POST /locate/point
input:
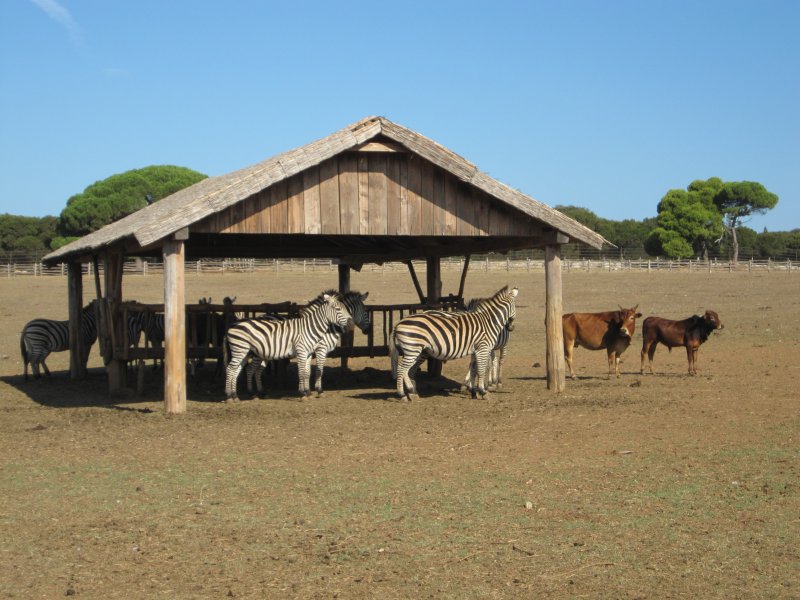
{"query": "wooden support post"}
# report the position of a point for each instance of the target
(556, 373)
(344, 287)
(434, 281)
(174, 328)
(464, 276)
(415, 280)
(115, 367)
(77, 364)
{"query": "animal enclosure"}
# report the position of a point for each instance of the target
(642, 486)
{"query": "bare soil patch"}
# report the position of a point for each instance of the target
(660, 486)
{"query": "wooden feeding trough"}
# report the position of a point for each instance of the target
(372, 192)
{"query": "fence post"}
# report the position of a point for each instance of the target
(769, 265)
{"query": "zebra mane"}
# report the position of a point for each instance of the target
(477, 302)
(315, 302)
(352, 294)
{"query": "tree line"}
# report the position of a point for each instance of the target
(706, 219)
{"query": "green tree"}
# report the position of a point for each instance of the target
(690, 215)
(31, 235)
(628, 234)
(108, 200)
(738, 200)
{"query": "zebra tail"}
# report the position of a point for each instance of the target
(226, 353)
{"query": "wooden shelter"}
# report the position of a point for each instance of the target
(372, 192)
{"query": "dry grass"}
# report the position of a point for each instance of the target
(640, 487)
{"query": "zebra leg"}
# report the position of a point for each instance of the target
(407, 366)
(497, 367)
(468, 385)
(44, 366)
(254, 373)
(231, 375)
(304, 373)
(321, 356)
(249, 371)
(35, 360)
(481, 357)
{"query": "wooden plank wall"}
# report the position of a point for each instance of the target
(372, 193)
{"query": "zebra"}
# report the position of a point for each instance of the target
(151, 325)
(40, 337)
(270, 340)
(354, 301)
(494, 377)
(446, 336)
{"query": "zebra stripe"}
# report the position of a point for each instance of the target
(271, 339)
(354, 302)
(446, 336)
(40, 337)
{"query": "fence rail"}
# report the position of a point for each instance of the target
(218, 266)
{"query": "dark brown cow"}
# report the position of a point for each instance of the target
(611, 330)
(689, 333)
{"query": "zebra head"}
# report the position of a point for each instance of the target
(336, 312)
(511, 296)
(503, 304)
(354, 301)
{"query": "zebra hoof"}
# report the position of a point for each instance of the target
(413, 398)
(464, 389)
(231, 400)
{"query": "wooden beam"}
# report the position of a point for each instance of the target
(380, 147)
(77, 364)
(415, 280)
(463, 276)
(552, 238)
(174, 328)
(554, 334)
(344, 287)
(115, 367)
(434, 280)
(434, 285)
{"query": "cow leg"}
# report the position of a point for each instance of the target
(645, 348)
(695, 352)
(568, 349)
(650, 350)
(690, 359)
(611, 362)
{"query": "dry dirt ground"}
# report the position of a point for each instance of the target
(664, 486)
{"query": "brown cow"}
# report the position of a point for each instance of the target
(689, 333)
(611, 330)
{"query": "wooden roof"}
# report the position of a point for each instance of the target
(196, 209)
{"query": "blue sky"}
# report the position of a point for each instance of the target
(605, 105)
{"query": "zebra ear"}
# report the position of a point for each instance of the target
(364, 295)
(328, 298)
(514, 292)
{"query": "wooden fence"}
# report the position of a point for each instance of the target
(220, 267)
